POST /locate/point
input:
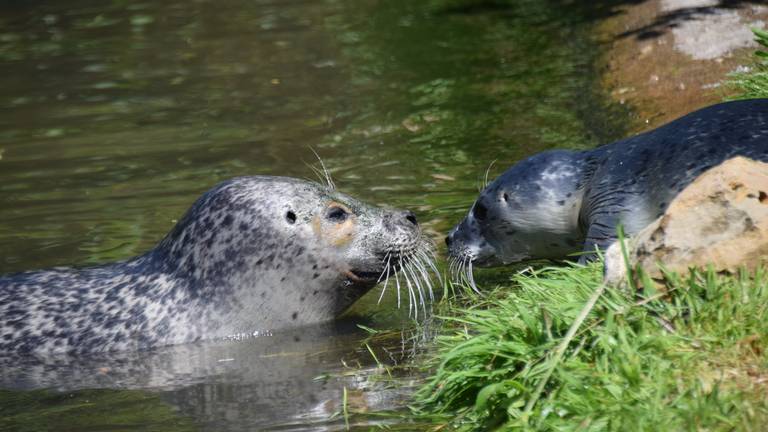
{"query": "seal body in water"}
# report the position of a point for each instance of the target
(559, 202)
(252, 254)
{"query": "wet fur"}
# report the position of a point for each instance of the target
(233, 265)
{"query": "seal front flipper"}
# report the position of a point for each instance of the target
(599, 236)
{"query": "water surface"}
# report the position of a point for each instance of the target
(117, 115)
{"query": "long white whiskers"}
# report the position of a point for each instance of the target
(326, 173)
(386, 281)
(471, 278)
(419, 289)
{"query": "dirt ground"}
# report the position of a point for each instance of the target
(666, 58)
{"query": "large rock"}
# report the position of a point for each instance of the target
(720, 219)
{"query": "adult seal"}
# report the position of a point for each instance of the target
(252, 254)
(558, 202)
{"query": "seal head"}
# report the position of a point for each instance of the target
(530, 211)
(252, 254)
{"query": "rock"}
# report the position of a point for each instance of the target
(719, 220)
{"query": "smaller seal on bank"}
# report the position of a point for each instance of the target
(252, 254)
(559, 202)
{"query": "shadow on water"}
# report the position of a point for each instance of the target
(674, 18)
(665, 21)
(117, 115)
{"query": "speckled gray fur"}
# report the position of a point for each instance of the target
(559, 202)
(252, 254)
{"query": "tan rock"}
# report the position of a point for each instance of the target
(720, 219)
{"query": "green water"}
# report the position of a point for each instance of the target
(117, 115)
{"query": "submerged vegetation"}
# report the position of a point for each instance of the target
(89, 410)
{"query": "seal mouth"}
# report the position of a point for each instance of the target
(408, 267)
(372, 276)
(362, 276)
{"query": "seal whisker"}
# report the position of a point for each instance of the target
(397, 283)
(453, 269)
(325, 172)
(411, 296)
(417, 283)
(471, 277)
(386, 266)
(427, 254)
(429, 259)
(461, 268)
(487, 171)
(422, 268)
(415, 288)
(416, 280)
(386, 280)
(422, 272)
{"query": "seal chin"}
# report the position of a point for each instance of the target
(488, 261)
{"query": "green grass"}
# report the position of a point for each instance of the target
(692, 360)
(754, 82)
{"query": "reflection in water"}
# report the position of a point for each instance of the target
(117, 115)
(272, 380)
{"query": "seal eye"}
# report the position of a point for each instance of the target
(336, 214)
(480, 212)
(290, 216)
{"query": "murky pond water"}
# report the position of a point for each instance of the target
(117, 115)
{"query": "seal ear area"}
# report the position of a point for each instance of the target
(336, 224)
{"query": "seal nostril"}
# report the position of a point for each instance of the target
(448, 241)
(290, 216)
(411, 218)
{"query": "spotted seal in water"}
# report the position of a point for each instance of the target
(559, 202)
(251, 254)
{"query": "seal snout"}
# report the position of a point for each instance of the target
(401, 220)
(404, 232)
(458, 240)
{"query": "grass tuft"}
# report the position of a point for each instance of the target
(753, 82)
(692, 360)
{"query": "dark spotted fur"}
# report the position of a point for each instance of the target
(247, 256)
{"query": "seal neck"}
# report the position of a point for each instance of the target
(562, 204)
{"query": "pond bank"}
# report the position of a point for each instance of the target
(690, 358)
(666, 58)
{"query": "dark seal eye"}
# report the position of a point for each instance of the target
(336, 214)
(290, 217)
(480, 212)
